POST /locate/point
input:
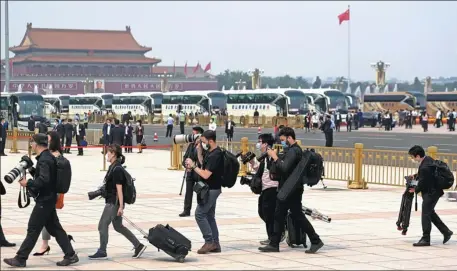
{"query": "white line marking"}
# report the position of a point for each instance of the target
(402, 148)
(390, 138)
(321, 139)
(454, 145)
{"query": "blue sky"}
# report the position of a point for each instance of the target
(295, 38)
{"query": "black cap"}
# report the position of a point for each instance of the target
(40, 139)
(198, 129)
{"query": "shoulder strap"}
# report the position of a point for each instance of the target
(23, 196)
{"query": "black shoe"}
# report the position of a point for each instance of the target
(269, 248)
(67, 261)
(70, 238)
(5, 243)
(99, 256)
(422, 243)
(447, 236)
(46, 251)
(14, 262)
(3, 154)
(139, 251)
(314, 248)
(265, 242)
(184, 214)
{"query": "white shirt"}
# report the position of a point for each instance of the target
(170, 121)
(438, 114)
(229, 125)
(212, 126)
(77, 129)
(108, 130)
(315, 119)
(126, 130)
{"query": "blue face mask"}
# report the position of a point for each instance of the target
(284, 144)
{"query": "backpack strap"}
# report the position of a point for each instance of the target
(23, 196)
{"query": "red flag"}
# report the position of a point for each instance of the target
(345, 16)
(208, 67)
(185, 69)
(196, 67)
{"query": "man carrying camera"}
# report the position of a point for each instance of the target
(285, 166)
(209, 188)
(191, 176)
(112, 191)
(43, 187)
(267, 199)
(431, 193)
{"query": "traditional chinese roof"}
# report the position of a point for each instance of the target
(79, 39)
(85, 59)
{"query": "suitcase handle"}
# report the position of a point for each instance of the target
(136, 227)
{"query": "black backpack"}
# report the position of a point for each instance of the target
(63, 174)
(443, 175)
(231, 169)
(128, 189)
(315, 170)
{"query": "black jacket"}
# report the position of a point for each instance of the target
(129, 132)
(3, 132)
(44, 179)
(60, 129)
(82, 130)
(42, 128)
(68, 128)
(31, 125)
(232, 125)
(117, 135)
(425, 176)
(327, 126)
(191, 153)
(285, 166)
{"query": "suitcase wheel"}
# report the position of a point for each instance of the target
(305, 246)
(180, 259)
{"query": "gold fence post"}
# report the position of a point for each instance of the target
(14, 145)
(246, 121)
(29, 150)
(104, 158)
(264, 121)
(299, 143)
(432, 152)
(174, 157)
(358, 182)
(244, 150)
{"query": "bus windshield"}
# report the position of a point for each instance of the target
(181, 99)
(83, 100)
(411, 101)
(65, 103)
(298, 102)
(130, 99)
(337, 101)
(4, 103)
(31, 106)
(251, 98)
(218, 100)
(108, 101)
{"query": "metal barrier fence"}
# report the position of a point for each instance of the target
(357, 166)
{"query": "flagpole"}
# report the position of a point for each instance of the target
(349, 48)
(7, 57)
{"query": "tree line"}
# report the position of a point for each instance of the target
(235, 79)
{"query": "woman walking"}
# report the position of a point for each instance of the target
(139, 131)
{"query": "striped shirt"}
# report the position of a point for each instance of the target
(266, 181)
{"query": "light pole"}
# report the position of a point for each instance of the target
(164, 86)
(380, 68)
(240, 84)
(255, 75)
(7, 50)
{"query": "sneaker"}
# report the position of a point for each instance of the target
(99, 256)
(67, 261)
(139, 251)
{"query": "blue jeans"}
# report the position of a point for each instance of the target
(205, 217)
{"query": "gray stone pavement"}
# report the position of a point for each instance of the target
(362, 234)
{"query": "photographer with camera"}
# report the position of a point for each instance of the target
(112, 191)
(209, 188)
(44, 214)
(285, 166)
(191, 176)
(431, 193)
(267, 199)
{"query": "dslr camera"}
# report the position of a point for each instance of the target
(411, 182)
(100, 192)
(184, 139)
(249, 156)
(25, 164)
(253, 182)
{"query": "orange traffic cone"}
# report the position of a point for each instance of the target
(156, 137)
(259, 130)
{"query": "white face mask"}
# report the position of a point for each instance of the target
(205, 146)
(414, 161)
(137, 123)
(258, 145)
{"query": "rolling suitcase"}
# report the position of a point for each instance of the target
(295, 235)
(404, 215)
(167, 239)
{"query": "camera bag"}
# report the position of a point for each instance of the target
(443, 175)
(295, 234)
(231, 169)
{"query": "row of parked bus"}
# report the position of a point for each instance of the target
(268, 102)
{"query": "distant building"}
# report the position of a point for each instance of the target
(74, 61)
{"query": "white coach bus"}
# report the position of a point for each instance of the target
(187, 101)
(268, 102)
(57, 103)
(83, 103)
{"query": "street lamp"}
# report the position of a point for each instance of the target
(88, 85)
(164, 86)
(240, 84)
(255, 75)
(380, 67)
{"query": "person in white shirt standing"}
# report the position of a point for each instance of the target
(170, 121)
(212, 125)
(315, 121)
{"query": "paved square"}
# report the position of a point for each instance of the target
(362, 234)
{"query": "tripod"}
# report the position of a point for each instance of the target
(183, 181)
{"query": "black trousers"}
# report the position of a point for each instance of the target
(349, 126)
(68, 144)
(230, 136)
(266, 209)
(188, 197)
(293, 203)
(337, 125)
(2, 146)
(2, 235)
(44, 215)
(169, 130)
(429, 215)
(328, 139)
(62, 141)
(128, 141)
(356, 125)
(181, 127)
(78, 142)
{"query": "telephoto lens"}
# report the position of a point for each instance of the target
(23, 165)
(184, 139)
